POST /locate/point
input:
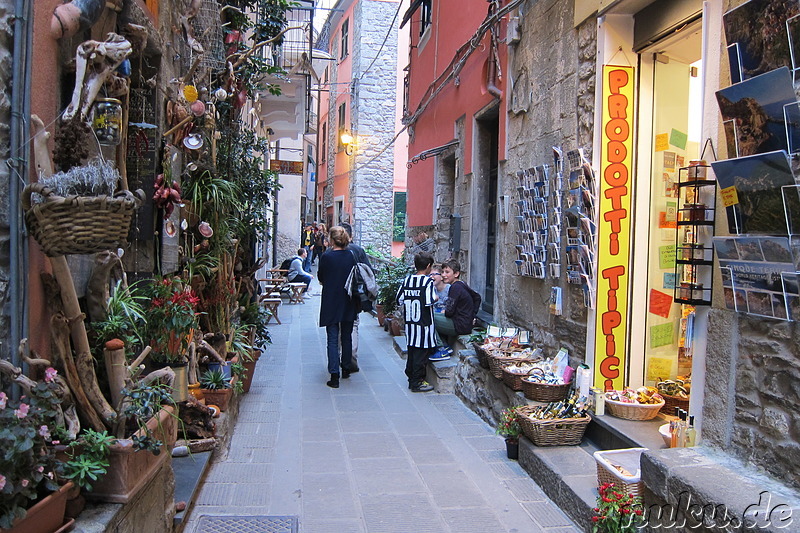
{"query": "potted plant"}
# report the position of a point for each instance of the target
(390, 277)
(172, 318)
(28, 469)
(616, 512)
(216, 388)
(509, 428)
(87, 458)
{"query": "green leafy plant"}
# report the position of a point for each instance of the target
(140, 404)
(240, 344)
(88, 458)
(214, 380)
(256, 316)
(616, 512)
(390, 277)
(238, 370)
(172, 318)
(478, 336)
(125, 319)
(26, 465)
(508, 426)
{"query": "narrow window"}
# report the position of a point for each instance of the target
(345, 36)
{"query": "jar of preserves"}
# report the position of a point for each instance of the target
(107, 121)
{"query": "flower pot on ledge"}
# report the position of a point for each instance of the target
(512, 448)
(46, 516)
(130, 470)
(219, 397)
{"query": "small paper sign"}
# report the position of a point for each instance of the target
(661, 335)
(678, 139)
(660, 303)
(662, 142)
(659, 368)
(666, 256)
(729, 196)
(669, 161)
(669, 280)
(664, 221)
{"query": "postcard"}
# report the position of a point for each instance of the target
(759, 28)
(759, 202)
(756, 107)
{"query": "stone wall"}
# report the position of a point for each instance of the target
(552, 71)
(373, 116)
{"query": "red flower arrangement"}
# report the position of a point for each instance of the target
(617, 512)
(171, 319)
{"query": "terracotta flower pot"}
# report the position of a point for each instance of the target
(250, 366)
(46, 516)
(381, 315)
(395, 328)
(218, 397)
(130, 470)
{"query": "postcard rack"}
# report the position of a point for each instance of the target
(695, 258)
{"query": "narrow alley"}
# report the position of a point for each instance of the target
(370, 456)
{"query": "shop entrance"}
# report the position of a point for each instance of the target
(669, 138)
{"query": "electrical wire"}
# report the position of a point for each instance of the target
(389, 32)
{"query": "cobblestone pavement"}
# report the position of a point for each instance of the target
(370, 456)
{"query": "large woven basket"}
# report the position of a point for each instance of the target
(480, 353)
(544, 392)
(671, 402)
(78, 224)
(512, 379)
(633, 411)
(496, 363)
(555, 432)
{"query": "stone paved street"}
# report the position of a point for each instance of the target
(370, 456)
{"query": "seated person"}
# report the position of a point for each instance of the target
(296, 273)
(442, 289)
(461, 306)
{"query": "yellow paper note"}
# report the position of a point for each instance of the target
(729, 196)
(659, 368)
(662, 142)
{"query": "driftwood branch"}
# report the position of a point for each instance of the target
(209, 350)
(242, 57)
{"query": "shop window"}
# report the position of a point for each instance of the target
(343, 49)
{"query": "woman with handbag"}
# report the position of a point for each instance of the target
(337, 310)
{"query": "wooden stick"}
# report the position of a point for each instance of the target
(83, 353)
(139, 360)
(177, 126)
(208, 349)
(117, 370)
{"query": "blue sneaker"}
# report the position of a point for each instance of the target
(440, 355)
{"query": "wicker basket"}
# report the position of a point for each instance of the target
(633, 411)
(512, 379)
(556, 432)
(671, 402)
(480, 353)
(496, 363)
(628, 459)
(78, 224)
(544, 392)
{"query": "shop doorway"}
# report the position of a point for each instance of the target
(670, 95)
(483, 255)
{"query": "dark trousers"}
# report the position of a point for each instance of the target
(415, 365)
(302, 278)
(307, 261)
(333, 331)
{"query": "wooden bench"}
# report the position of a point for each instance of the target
(296, 296)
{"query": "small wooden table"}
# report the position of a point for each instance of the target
(296, 296)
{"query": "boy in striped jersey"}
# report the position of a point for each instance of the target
(416, 296)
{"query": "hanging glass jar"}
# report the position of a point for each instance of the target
(107, 121)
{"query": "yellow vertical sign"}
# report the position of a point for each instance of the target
(614, 227)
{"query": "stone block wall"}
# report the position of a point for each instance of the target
(752, 392)
(552, 71)
(373, 116)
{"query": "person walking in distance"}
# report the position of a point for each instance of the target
(361, 257)
(337, 311)
(307, 242)
(416, 297)
(320, 242)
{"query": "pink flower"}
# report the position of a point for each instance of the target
(40, 469)
(24, 482)
(3, 400)
(44, 432)
(50, 374)
(22, 412)
(2, 481)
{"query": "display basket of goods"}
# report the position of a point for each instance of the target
(555, 424)
(514, 373)
(675, 393)
(643, 403)
(620, 467)
(480, 353)
(543, 386)
(498, 358)
(78, 224)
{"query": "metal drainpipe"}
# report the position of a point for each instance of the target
(19, 162)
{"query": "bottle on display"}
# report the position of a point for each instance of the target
(691, 433)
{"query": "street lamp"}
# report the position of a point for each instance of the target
(347, 142)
